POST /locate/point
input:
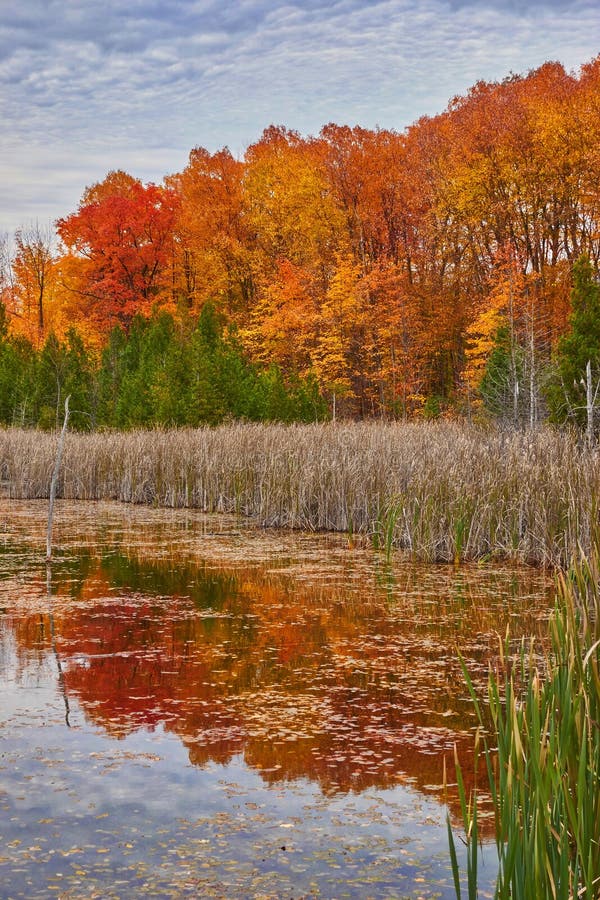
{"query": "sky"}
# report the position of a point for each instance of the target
(87, 86)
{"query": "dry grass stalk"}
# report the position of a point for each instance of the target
(443, 491)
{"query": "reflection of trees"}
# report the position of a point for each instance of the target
(351, 689)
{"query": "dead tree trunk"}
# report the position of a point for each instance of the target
(54, 480)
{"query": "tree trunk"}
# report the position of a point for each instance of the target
(54, 480)
(589, 402)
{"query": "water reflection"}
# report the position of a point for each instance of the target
(59, 669)
(310, 662)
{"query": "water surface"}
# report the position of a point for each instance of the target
(194, 707)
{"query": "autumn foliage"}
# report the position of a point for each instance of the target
(384, 264)
(122, 238)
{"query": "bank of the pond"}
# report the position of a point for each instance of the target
(443, 491)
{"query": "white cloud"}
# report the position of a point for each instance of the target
(90, 86)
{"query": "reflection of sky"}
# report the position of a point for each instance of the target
(68, 795)
(26, 687)
(85, 87)
(139, 637)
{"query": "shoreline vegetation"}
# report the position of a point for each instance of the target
(539, 733)
(442, 491)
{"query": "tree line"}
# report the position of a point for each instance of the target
(433, 271)
(162, 372)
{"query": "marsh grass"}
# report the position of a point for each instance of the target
(442, 491)
(543, 757)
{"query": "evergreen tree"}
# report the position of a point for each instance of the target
(80, 383)
(581, 344)
(161, 372)
(133, 407)
(503, 379)
(110, 376)
(17, 370)
(50, 376)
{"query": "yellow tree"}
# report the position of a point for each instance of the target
(212, 242)
(34, 310)
(289, 207)
(506, 323)
(281, 328)
(337, 354)
(586, 127)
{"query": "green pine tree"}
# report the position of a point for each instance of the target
(501, 385)
(80, 383)
(580, 345)
(17, 377)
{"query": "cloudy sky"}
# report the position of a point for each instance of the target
(92, 85)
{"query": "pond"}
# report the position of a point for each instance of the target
(191, 706)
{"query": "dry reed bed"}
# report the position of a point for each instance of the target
(443, 491)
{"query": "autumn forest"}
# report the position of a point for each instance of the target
(450, 269)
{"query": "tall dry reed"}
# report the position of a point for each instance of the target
(442, 491)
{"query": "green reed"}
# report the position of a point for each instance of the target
(543, 755)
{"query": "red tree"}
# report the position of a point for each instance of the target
(122, 245)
